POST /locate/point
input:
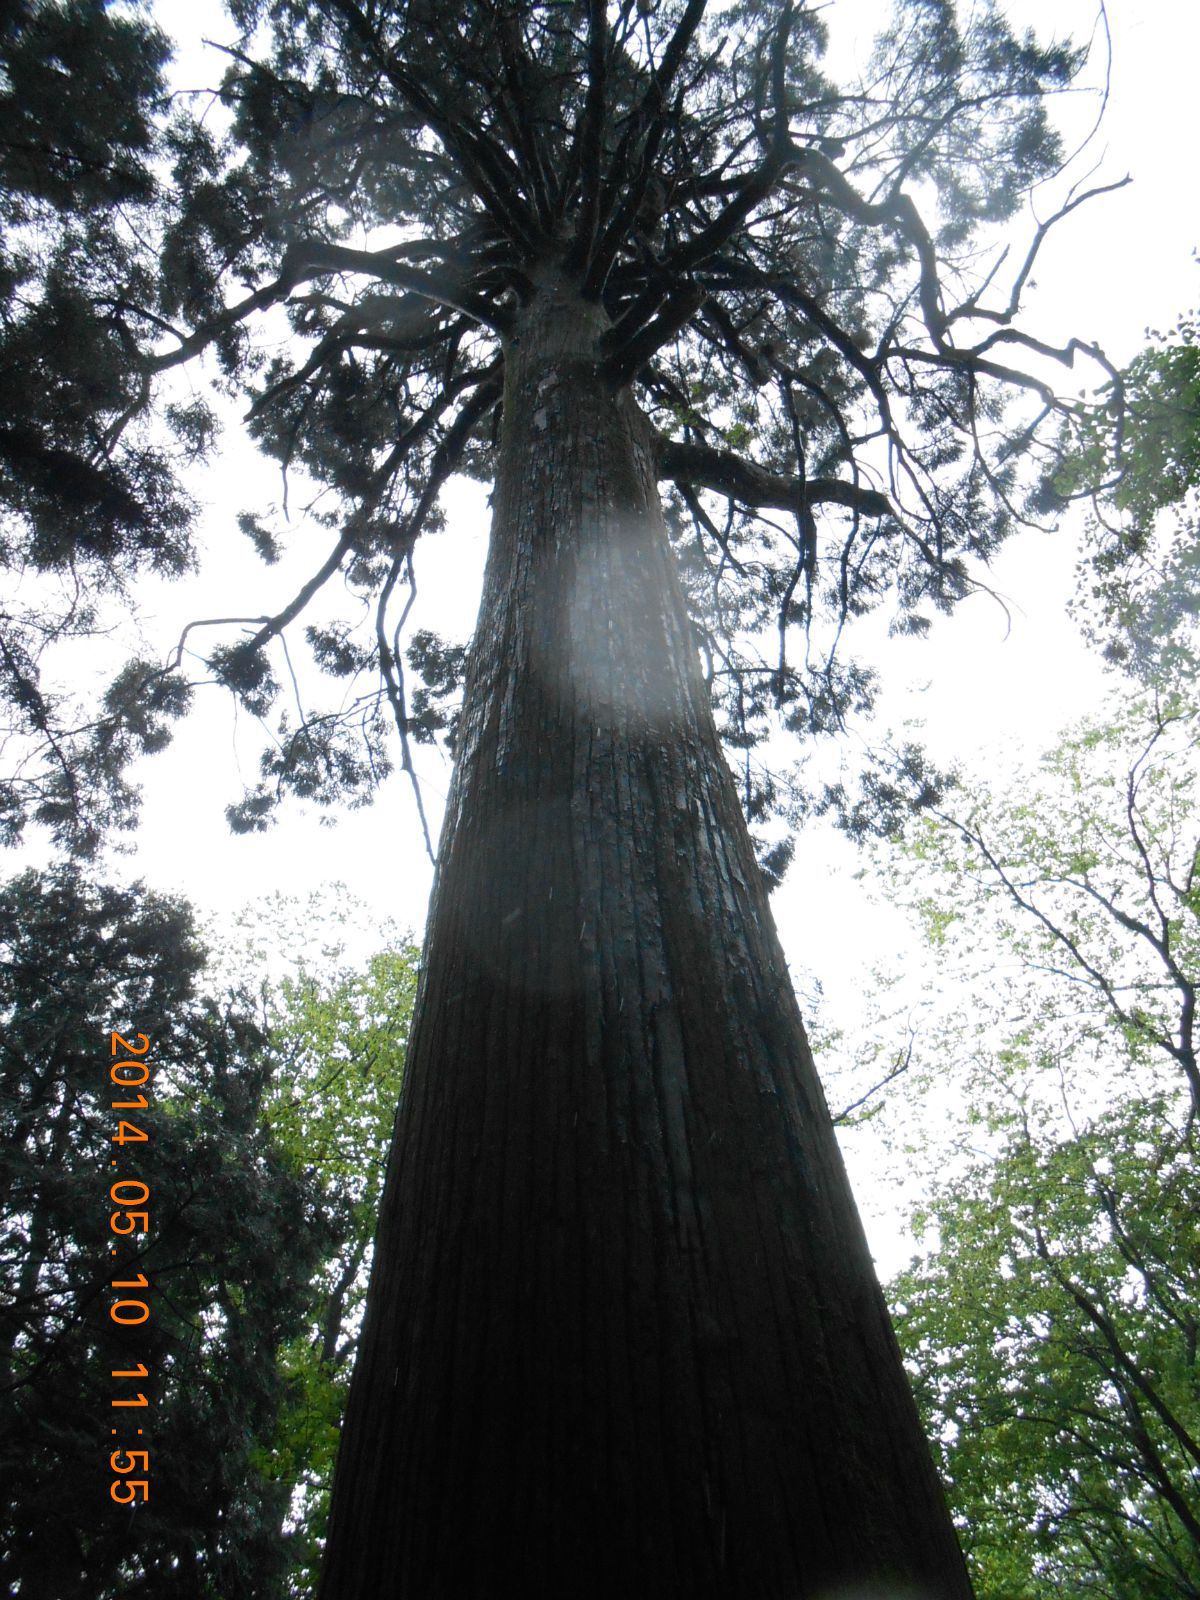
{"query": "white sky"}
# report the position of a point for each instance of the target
(1115, 268)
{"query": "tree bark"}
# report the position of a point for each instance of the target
(623, 1339)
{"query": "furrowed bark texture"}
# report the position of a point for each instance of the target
(624, 1340)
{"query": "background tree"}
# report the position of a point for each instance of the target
(338, 1036)
(88, 485)
(623, 1334)
(1051, 1319)
(233, 1237)
(1052, 1327)
(1138, 597)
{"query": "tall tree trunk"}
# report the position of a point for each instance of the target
(623, 1339)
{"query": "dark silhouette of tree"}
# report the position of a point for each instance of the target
(623, 1334)
(89, 491)
(232, 1237)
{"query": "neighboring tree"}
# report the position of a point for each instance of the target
(1052, 1327)
(1052, 1321)
(232, 1238)
(623, 1335)
(1140, 570)
(339, 1040)
(90, 487)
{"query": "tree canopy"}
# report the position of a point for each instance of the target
(787, 269)
(264, 1149)
(232, 1236)
(1050, 1317)
(338, 1035)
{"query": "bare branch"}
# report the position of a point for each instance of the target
(900, 1066)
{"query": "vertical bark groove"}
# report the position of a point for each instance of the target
(623, 1338)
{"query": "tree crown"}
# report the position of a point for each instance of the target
(785, 270)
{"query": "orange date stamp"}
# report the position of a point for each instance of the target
(129, 1221)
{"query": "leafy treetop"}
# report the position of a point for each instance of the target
(1139, 577)
(1049, 1319)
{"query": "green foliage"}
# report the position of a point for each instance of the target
(902, 783)
(1164, 450)
(1157, 454)
(338, 1030)
(1050, 1323)
(81, 99)
(340, 1040)
(1140, 575)
(79, 80)
(88, 482)
(235, 1231)
(264, 1162)
(1052, 1331)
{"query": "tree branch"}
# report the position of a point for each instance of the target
(732, 475)
(587, 151)
(488, 171)
(312, 259)
(631, 354)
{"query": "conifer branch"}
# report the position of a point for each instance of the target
(705, 467)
